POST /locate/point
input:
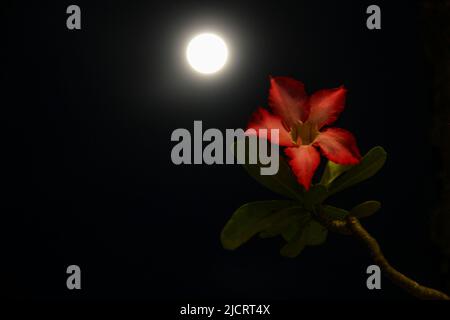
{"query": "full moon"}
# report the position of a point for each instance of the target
(207, 53)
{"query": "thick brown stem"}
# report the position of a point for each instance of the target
(353, 227)
(396, 277)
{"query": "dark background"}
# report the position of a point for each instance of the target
(88, 177)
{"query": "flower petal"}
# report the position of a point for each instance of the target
(326, 105)
(304, 161)
(339, 146)
(288, 99)
(262, 119)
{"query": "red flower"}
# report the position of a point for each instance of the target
(300, 120)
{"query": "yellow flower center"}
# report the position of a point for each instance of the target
(307, 132)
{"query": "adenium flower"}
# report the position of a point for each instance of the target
(301, 121)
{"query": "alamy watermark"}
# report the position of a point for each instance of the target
(74, 279)
(230, 149)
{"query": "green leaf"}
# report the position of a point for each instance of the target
(366, 209)
(285, 218)
(283, 182)
(332, 171)
(316, 195)
(308, 232)
(289, 232)
(296, 225)
(316, 233)
(335, 213)
(294, 247)
(250, 219)
(370, 164)
(266, 234)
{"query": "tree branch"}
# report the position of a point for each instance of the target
(352, 226)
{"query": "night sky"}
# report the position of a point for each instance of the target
(87, 118)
